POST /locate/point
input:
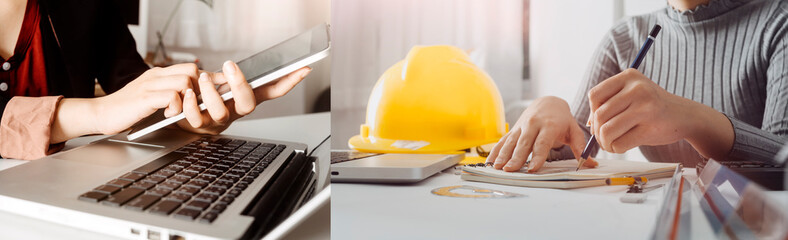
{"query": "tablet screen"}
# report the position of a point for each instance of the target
(268, 65)
(274, 58)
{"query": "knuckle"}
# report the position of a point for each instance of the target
(605, 129)
(542, 142)
(510, 140)
(191, 66)
(593, 93)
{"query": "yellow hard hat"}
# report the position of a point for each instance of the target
(436, 100)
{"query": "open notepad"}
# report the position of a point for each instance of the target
(562, 174)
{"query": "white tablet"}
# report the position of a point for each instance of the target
(270, 64)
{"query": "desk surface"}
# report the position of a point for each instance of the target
(374, 211)
(310, 129)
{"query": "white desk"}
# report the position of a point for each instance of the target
(310, 129)
(375, 211)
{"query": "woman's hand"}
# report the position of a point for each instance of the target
(154, 89)
(547, 123)
(629, 110)
(220, 114)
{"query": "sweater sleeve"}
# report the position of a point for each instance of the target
(603, 65)
(750, 142)
(25, 128)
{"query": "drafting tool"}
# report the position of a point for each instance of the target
(475, 192)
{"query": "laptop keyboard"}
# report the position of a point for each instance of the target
(198, 180)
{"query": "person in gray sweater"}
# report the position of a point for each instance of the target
(714, 85)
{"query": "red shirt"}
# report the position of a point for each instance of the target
(24, 73)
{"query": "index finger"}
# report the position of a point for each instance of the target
(603, 91)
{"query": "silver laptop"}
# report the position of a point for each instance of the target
(349, 166)
(168, 185)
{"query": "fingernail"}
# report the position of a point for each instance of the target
(204, 77)
(498, 162)
(229, 67)
(303, 75)
(189, 92)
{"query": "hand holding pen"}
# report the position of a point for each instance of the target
(630, 110)
(592, 143)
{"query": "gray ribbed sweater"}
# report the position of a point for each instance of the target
(729, 54)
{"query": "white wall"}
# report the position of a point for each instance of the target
(564, 35)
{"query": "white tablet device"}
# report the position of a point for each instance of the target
(270, 64)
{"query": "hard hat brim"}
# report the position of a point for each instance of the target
(390, 146)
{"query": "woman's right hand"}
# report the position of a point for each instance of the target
(156, 88)
(547, 123)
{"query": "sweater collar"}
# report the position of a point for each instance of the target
(704, 12)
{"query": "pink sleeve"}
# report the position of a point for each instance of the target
(25, 127)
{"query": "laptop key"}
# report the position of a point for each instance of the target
(188, 174)
(172, 185)
(93, 196)
(234, 192)
(165, 207)
(199, 205)
(154, 179)
(219, 207)
(181, 179)
(197, 183)
(120, 183)
(209, 217)
(187, 214)
(191, 190)
(226, 200)
(108, 189)
(205, 178)
(132, 176)
(159, 191)
(223, 184)
(142, 202)
(179, 197)
(206, 197)
(213, 173)
(165, 173)
(143, 185)
(122, 197)
(215, 190)
(159, 162)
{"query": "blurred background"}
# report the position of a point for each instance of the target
(210, 32)
(531, 48)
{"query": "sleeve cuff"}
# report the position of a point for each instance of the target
(25, 127)
(754, 144)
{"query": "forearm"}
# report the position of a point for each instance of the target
(711, 132)
(74, 117)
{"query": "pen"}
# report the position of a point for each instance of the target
(635, 64)
(625, 180)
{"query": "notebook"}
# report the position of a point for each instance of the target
(562, 174)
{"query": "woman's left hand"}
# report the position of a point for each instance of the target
(629, 110)
(220, 114)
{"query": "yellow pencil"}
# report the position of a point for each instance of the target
(624, 180)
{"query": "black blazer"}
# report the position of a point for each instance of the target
(85, 40)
